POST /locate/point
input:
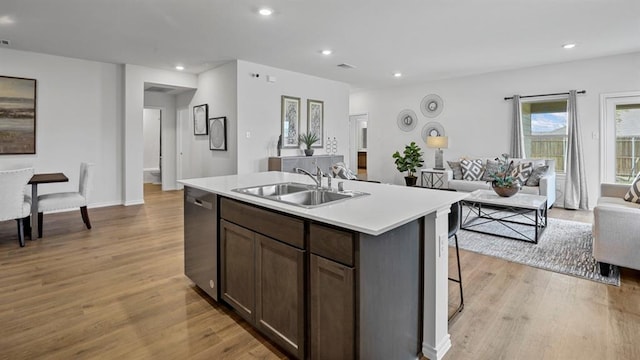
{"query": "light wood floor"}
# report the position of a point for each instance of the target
(118, 292)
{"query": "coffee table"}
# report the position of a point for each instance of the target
(520, 217)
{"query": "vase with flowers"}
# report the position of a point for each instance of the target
(503, 182)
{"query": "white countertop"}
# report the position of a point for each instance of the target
(388, 206)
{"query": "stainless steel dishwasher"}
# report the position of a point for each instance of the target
(201, 239)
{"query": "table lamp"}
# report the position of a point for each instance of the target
(439, 143)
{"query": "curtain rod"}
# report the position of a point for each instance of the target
(564, 93)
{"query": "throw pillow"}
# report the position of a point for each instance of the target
(490, 168)
(471, 169)
(633, 195)
(457, 170)
(522, 172)
(538, 173)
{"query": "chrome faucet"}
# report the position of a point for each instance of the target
(317, 179)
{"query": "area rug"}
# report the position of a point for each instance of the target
(564, 247)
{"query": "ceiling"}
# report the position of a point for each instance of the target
(423, 39)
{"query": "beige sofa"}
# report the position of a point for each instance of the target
(616, 229)
(547, 185)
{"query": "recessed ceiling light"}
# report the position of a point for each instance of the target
(265, 12)
(326, 52)
(6, 20)
(397, 74)
(179, 67)
(569, 46)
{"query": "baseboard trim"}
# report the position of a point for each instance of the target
(438, 352)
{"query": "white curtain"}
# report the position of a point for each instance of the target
(575, 186)
(517, 135)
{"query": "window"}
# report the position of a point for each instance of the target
(544, 126)
(627, 142)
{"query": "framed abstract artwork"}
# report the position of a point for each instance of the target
(200, 116)
(17, 115)
(290, 121)
(218, 133)
(315, 120)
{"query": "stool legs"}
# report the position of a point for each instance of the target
(458, 280)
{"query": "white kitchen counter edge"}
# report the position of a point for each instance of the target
(388, 206)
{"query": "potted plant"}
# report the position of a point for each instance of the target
(308, 139)
(503, 183)
(409, 162)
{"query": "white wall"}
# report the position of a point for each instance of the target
(151, 135)
(218, 89)
(477, 119)
(259, 111)
(79, 118)
(134, 80)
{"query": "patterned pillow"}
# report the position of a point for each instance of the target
(633, 195)
(471, 169)
(490, 168)
(457, 170)
(538, 173)
(522, 172)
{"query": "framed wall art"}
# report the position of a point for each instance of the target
(315, 120)
(290, 122)
(200, 116)
(218, 133)
(17, 115)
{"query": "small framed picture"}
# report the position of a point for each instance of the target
(315, 120)
(290, 121)
(200, 116)
(218, 133)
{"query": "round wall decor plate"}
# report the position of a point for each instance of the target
(431, 105)
(407, 120)
(432, 128)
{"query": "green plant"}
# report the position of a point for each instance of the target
(411, 160)
(308, 139)
(502, 177)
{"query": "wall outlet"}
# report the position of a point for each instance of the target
(248, 134)
(443, 245)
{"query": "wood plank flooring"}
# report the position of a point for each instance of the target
(118, 291)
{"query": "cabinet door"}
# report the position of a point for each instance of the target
(237, 268)
(332, 310)
(280, 293)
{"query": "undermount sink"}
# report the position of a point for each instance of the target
(303, 195)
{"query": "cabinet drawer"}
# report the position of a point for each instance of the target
(334, 244)
(281, 227)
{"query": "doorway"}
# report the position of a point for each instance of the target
(358, 144)
(152, 137)
(620, 137)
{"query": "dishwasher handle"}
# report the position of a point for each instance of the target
(199, 202)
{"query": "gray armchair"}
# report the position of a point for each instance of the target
(616, 229)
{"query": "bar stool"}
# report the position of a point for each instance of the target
(454, 226)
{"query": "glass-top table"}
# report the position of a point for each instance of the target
(520, 217)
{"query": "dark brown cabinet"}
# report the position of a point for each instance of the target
(320, 291)
(280, 293)
(237, 268)
(332, 310)
(262, 278)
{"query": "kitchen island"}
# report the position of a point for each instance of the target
(361, 278)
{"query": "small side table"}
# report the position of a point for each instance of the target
(434, 179)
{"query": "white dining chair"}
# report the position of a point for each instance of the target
(68, 200)
(15, 205)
